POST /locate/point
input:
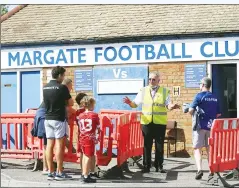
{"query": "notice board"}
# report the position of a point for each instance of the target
(83, 80)
(193, 74)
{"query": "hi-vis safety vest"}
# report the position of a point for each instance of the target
(154, 110)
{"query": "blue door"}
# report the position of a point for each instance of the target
(8, 102)
(222, 75)
(30, 90)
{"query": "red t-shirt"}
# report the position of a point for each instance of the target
(88, 123)
(78, 112)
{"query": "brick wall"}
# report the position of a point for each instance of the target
(172, 74)
(70, 71)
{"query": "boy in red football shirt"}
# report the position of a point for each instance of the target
(78, 99)
(81, 109)
(88, 122)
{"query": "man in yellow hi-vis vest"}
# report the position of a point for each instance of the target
(155, 102)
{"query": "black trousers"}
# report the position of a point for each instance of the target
(153, 132)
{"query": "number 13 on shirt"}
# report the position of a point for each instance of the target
(85, 125)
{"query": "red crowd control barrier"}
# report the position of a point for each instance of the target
(114, 115)
(38, 143)
(129, 137)
(224, 145)
(136, 138)
(102, 158)
(123, 134)
(12, 124)
(120, 129)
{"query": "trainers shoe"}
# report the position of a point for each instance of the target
(51, 176)
(88, 180)
(199, 175)
(62, 176)
(161, 170)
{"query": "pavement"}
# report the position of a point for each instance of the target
(180, 173)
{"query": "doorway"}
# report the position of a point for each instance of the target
(224, 85)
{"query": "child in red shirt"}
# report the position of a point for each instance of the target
(78, 99)
(81, 109)
(89, 123)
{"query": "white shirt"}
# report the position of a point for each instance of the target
(140, 97)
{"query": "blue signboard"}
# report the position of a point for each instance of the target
(117, 74)
(83, 80)
(193, 74)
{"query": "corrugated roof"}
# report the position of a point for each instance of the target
(49, 23)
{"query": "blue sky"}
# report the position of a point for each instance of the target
(11, 7)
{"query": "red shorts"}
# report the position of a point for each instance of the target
(79, 150)
(88, 148)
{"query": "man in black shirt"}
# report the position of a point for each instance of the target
(56, 96)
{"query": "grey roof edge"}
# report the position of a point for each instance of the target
(124, 39)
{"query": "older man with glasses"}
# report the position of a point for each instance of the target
(155, 102)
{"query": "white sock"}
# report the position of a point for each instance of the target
(198, 159)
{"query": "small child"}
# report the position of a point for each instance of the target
(78, 99)
(81, 109)
(88, 122)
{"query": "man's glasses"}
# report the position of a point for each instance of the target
(152, 79)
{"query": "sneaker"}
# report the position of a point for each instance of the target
(199, 175)
(51, 176)
(88, 180)
(161, 170)
(62, 176)
(94, 175)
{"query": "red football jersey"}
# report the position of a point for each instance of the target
(88, 123)
(78, 112)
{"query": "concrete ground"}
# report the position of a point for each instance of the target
(180, 173)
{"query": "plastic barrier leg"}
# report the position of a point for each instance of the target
(125, 167)
(217, 180)
(114, 172)
(135, 160)
(232, 175)
(38, 165)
